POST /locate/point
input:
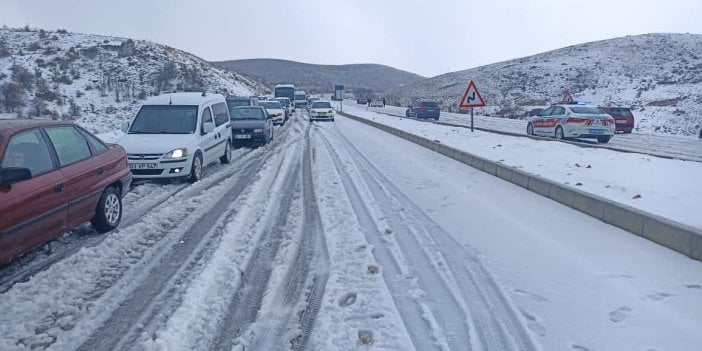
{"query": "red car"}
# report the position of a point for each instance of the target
(623, 118)
(55, 176)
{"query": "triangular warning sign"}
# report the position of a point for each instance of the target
(471, 98)
(567, 98)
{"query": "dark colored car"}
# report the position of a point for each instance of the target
(55, 176)
(241, 101)
(423, 109)
(250, 125)
(623, 118)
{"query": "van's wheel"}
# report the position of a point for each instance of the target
(559, 133)
(227, 157)
(196, 169)
(603, 139)
(530, 129)
(108, 212)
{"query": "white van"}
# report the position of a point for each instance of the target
(300, 99)
(176, 135)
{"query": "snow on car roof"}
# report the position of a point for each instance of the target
(183, 99)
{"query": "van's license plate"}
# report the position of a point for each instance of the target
(242, 136)
(142, 166)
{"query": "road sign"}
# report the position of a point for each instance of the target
(471, 98)
(567, 98)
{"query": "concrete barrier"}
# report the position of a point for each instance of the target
(673, 235)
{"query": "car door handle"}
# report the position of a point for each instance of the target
(58, 188)
(100, 171)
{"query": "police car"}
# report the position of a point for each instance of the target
(575, 120)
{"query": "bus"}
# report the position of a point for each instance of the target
(285, 90)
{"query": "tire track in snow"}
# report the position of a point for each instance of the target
(491, 318)
(320, 258)
(158, 295)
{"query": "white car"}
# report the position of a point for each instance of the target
(177, 135)
(377, 103)
(573, 121)
(275, 110)
(321, 110)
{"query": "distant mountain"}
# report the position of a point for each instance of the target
(97, 80)
(322, 78)
(658, 75)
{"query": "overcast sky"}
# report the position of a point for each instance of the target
(424, 37)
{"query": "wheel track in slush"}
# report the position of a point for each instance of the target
(489, 320)
(159, 292)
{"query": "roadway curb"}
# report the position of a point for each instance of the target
(673, 235)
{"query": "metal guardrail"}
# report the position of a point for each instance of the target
(670, 234)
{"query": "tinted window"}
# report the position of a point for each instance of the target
(96, 145)
(165, 119)
(427, 104)
(70, 146)
(587, 110)
(221, 115)
(247, 113)
(271, 105)
(239, 102)
(321, 104)
(28, 150)
(546, 112)
(557, 111)
(206, 117)
(619, 111)
(299, 97)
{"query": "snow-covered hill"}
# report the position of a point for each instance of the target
(97, 80)
(658, 75)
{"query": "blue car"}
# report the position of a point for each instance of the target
(423, 109)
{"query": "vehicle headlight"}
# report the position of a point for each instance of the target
(331, 111)
(258, 130)
(177, 153)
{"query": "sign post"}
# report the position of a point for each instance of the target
(471, 98)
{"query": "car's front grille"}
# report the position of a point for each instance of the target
(143, 156)
(242, 130)
(150, 172)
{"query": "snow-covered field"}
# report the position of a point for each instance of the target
(665, 187)
(337, 236)
(657, 75)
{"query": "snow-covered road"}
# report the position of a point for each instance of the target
(675, 146)
(338, 236)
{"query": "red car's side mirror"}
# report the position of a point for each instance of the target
(13, 175)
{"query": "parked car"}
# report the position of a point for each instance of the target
(251, 125)
(242, 101)
(572, 121)
(321, 110)
(377, 103)
(423, 109)
(361, 101)
(623, 118)
(177, 135)
(55, 176)
(275, 110)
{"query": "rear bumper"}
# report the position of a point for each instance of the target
(588, 132)
(625, 128)
(126, 183)
(428, 114)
